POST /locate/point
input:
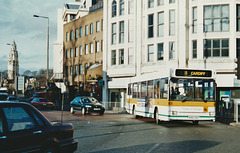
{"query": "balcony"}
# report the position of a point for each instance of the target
(96, 7)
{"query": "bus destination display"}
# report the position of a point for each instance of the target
(194, 73)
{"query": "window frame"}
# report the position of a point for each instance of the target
(151, 26)
(121, 56)
(121, 32)
(113, 57)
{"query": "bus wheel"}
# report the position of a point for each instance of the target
(195, 122)
(156, 116)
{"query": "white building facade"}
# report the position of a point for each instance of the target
(144, 38)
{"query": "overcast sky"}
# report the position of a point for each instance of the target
(30, 34)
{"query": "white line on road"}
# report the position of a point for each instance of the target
(154, 147)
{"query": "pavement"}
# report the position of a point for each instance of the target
(235, 124)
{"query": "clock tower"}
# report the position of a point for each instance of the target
(13, 67)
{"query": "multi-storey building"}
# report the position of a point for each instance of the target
(69, 13)
(82, 53)
(144, 37)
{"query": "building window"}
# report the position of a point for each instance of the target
(114, 34)
(130, 6)
(171, 50)
(76, 33)
(130, 56)
(67, 71)
(113, 57)
(86, 66)
(194, 21)
(91, 48)
(160, 2)
(91, 28)
(160, 24)
(98, 26)
(97, 47)
(194, 48)
(86, 30)
(67, 54)
(86, 49)
(130, 30)
(102, 25)
(81, 51)
(160, 53)
(172, 22)
(121, 32)
(76, 70)
(76, 52)
(216, 48)
(150, 53)
(238, 17)
(71, 70)
(81, 32)
(238, 48)
(71, 52)
(121, 7)
(171, 1)
(80, 68)
(71, 35)
(67, 36)
(216, 18)
(150, 26)
(150, 3)
(121, 56)
(114, 8)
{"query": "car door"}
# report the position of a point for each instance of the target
(78, 104)
(21, 132)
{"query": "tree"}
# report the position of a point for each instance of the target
(27, 73)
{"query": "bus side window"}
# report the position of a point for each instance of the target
(150, 89)
(135, 90)
(129, 89)
(164, 88)
(139, 90)
(157, 88)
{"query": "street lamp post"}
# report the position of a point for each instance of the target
(37, 16)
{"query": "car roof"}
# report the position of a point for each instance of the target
(8, 103)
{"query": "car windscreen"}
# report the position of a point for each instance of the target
(86, 100)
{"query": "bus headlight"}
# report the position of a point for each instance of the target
(174, 112)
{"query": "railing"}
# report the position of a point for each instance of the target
(96, 7)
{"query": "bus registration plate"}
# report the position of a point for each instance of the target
(193, 117)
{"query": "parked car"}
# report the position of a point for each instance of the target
(85, 105)
(12, 99)
(24, 129)
(42, 103)
(48, 95)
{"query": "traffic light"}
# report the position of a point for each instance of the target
(237, 69)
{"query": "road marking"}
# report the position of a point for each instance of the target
(154, 147)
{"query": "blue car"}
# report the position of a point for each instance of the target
(85, 105)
